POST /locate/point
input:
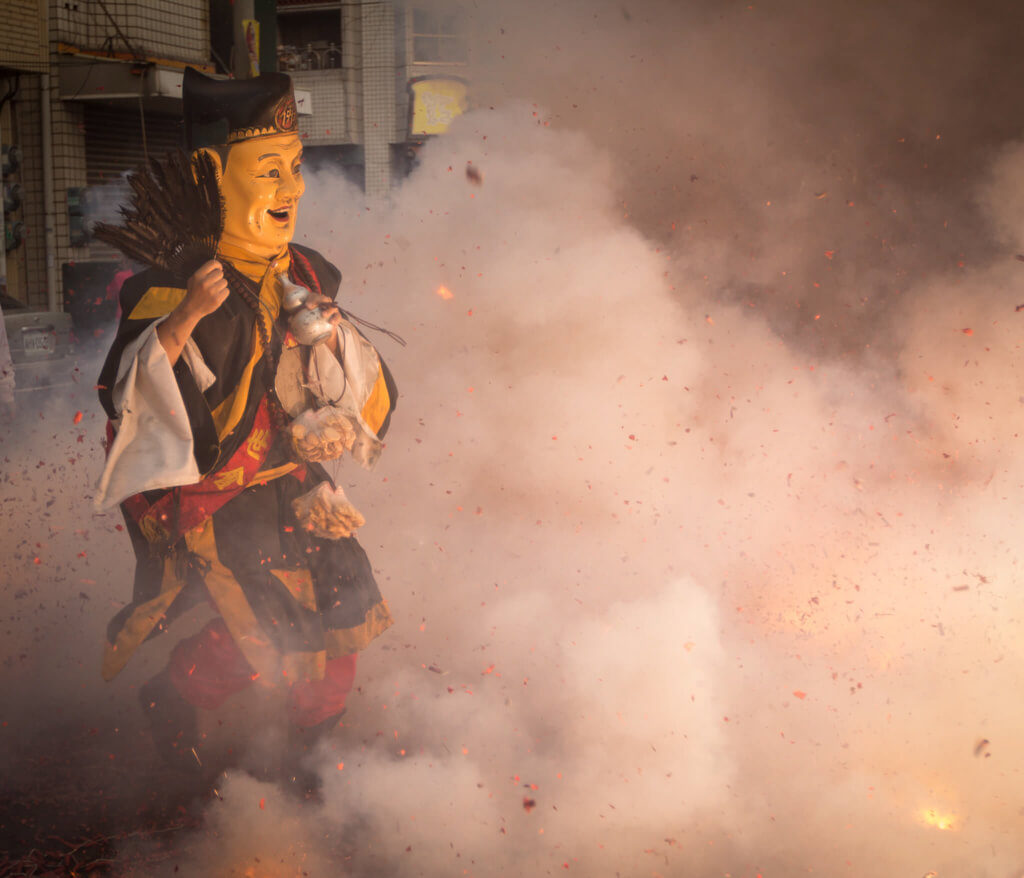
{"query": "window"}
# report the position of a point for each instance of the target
(439, 36)
(308, 36)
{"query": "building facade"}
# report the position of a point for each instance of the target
(92, 88)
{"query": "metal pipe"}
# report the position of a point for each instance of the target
(48, 199)
(3, 236)
(12, 90)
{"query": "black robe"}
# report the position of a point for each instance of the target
(290, 600)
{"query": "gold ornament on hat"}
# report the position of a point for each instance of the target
(285, 122)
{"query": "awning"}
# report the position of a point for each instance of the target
(113, 81)
(119, 81)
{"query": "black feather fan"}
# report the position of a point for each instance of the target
(175, 216)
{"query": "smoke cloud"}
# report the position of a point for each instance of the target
(698, 512)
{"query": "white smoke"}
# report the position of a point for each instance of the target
(672, 594)
(701, 540)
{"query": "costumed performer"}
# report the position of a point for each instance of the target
(223, 425)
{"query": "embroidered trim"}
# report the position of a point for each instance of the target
(163, 522)
(252, 133)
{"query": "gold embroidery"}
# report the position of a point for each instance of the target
(251, 133)
(259, 442)
(234, 476)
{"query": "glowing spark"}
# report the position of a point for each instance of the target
(932, 817)
(445, 293)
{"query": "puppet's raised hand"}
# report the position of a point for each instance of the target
(207, 289)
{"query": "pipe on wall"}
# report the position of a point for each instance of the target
(50, 213)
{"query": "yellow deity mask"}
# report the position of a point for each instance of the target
(261, 182)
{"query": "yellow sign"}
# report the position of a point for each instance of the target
(436, 102)
(251, 29)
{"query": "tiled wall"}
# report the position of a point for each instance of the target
(176, 29)
(23, 35)
(172, 29)
(26, 265)
(80, 22)
(351, 60)
(378, 57)
(27, 276)
(328, 90)
(68, 132)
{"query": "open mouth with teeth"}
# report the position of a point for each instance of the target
(281, 214)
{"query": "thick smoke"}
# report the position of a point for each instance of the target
(751, 605)
(698, 512)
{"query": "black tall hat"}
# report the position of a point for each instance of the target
(221, 111)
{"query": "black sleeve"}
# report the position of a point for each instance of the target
(327, 275)
(132, 291)
(204, 435)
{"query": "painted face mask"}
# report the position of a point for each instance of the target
(262, 184)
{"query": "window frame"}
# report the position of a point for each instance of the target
(458, 37)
